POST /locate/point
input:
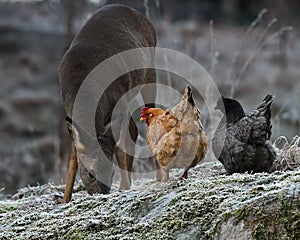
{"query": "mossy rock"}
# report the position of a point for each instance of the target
(208, 205)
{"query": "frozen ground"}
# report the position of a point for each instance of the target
(209, 205)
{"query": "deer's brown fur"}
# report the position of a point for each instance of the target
(110, 30)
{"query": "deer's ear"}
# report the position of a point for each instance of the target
(74, 135)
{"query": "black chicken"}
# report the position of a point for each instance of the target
(241, 141)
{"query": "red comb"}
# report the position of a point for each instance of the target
(143, 111)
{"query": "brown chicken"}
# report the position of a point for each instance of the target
(176, 137)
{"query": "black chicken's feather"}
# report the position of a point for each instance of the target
(240, 143)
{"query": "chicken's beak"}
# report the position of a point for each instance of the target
(142, 119)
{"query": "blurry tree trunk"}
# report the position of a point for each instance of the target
(69, 23)
(65, 143)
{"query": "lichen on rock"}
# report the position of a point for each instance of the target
(208, 205)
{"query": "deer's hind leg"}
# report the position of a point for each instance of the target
(126, 143)
(148, 93)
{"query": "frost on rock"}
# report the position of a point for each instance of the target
(208, 205)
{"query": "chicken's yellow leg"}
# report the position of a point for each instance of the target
(166, 176)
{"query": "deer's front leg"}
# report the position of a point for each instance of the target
(73, 165)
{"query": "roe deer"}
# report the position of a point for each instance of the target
(110, 30)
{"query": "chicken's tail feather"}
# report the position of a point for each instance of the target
(268, 100)
(265, 109)
(189, 95)
(190, 99)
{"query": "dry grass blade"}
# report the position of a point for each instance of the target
(288, 156)
(264, 39)
(232, 72)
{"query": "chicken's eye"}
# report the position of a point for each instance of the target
(150, 115)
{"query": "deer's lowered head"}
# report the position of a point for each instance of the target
(95, 169)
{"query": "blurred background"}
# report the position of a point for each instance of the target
(250, 48)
